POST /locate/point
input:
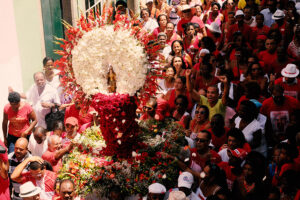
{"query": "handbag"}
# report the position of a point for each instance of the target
(54, 115)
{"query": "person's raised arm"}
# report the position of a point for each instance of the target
(195, 96)
(60, 153)
(33, 119)
(17, 173)
(22, 95)
(224, 80)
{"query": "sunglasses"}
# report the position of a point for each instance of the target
(186, 11)
(148, 108)
(198, 112)
(200, 140)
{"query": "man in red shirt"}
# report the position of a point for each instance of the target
(260, 28)
(55, 152)
(240, 26)
(278, 109)
(269, 56)
(289, 81)
(37, 174)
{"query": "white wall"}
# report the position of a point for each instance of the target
(10, 65)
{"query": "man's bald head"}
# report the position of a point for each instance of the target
(54, 143)
(39, 134)
(21, 148)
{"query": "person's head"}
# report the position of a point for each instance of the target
(177, 47)
(179, 83)
(276, 35)
(235, 139)
(215, 7)
(156, 191)
(238, 39)
(39, 134)
(290, 73)
(178, 63)
(201, 113)
(30, 192)
(202, 141)
(254, 169)
(149, 4)
(71, 125)
(54, 143)
(230, 4)
(259, 20)
(248, 12)
(271, 4)
(66, 189)
(287, 154)
(208, 43)
(213, 175)
(198, 9)
(252, 90)
(217, 122)
(277, 95)
(170, 28)
(212, 94)
(162, 20)
(181, 103)
(255, 70)
(145, 13)
(39, 79)
(239, 16)
(189, 30)
(58, 128)
(170, 72)
(231, 18)
(48, 63)
(206, 67)
(115, 193)
(289, 182)
(261, 41)
(121, 6)
(162, 39)
(274, 193)
(247, 110)
(37, 170)
(297, 31)
(186, 12)
(185, 182)
(21, 148)
(14, 99)
(150, 107)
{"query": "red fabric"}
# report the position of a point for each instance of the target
(194, 19)
(82, 117)
(214, 158)
(291, 90)
(200, 85)
(155, 33)
(258, 31)
(194, 45)
(18, 121)
(4, 188)
(243, 98)
(172, 39)
(219, 141)
(172, 98)
(229, 175)
(245, 30)
(247, 147)
(284, 168)
(289, 105)
(50, 178)
(50, 157)
(280, 28)
(276, 67)
(268, 59)
(197, 20)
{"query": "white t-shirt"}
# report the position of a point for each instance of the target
(35, 148)
(150, 25)
(49, 95)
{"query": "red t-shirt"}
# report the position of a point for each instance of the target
(82, 117)
(268, 59)
(229, 175)
(18, 121)
(194, 19)
(4, 183)
(50, 157)
(284, 168)
(292, 90)
(200, 85)
(245, 30)
(214, 158)
(218, 141)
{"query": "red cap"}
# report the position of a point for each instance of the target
(261, 37)
(72, 121)
(239, 153)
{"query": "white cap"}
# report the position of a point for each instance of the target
(205, 51)
(177, 195)
(186, 180)
(157, 188)
(214, 27)
(279, 14)
(29, 190)
(290, 71)
(185, 7)
(149, 1)
(239, 12)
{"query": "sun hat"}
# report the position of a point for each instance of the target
(29, 190)
(186, 180)
(214, 27)
(239, 12)
(279, 14)
(72, 121)
(177, 195)
(186, 7)
(149, 1)
(290, 71)
(157, 188)
(205, 51)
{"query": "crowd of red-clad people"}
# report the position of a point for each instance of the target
(230, 80)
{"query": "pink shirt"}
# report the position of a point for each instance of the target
(50, 157)
(18, 121)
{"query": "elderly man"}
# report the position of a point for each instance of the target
(38, 144)
(66, 190)
(72, 126)
(43, 97)
(37, 174)
(15, 158)
(55, 152)
(30, 192)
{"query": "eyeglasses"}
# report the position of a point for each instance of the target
(198, 112)
(200, 140)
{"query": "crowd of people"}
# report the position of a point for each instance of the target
(230, 80)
